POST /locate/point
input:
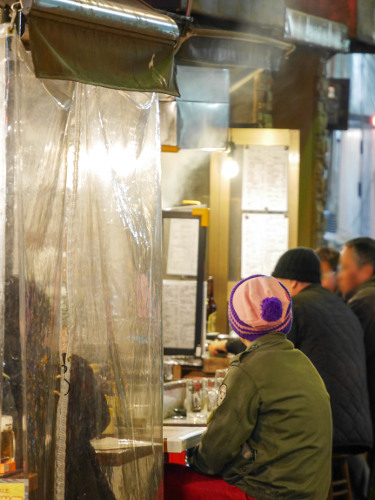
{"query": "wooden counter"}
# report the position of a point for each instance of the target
(208, 369)
(113, 452)
(210, 365)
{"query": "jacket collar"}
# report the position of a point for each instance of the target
(269, 339)
(310, 287)
(367, 284)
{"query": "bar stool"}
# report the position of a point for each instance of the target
(340, 484)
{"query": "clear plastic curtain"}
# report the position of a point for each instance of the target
(85, 252)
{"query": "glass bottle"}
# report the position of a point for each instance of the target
(7, 439)
(211, 306)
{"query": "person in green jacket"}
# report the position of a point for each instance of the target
(271, 434)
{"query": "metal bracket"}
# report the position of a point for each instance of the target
(13, 14)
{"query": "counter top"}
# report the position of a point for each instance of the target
(178, 439)
(186, 421)
(113, 452)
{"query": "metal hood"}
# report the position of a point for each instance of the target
(235, 34)
(268, 21)
(266, 13)
(231, 49)
(316, 31)
(118, 44)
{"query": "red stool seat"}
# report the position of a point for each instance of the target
(182, 483)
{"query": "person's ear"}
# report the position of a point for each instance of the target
(366, 272)
(294, 284)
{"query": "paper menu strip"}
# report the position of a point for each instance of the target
(264, 239)
(265, 178)
(16, 489)
(179, 308)
(183, 247)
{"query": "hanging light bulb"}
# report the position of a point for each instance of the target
(230, 166)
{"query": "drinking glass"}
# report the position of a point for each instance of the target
(196, 399)
(212, 392)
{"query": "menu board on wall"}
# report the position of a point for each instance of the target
(182, 259)
(264, 238)
(179, 313)
(265, 178)
(14, 489)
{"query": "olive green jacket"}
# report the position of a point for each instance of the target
(271, 434)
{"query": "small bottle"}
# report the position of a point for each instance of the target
(7, 439)
(211, 306)
(197, 398)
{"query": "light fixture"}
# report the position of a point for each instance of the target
(372, 120)
(230, 166)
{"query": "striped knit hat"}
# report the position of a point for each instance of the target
(259, 305)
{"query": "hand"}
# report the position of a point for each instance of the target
(217, 346)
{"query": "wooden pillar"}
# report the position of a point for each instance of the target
(294, 107)
(219, 237)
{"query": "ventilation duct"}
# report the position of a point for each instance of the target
(123, 45)
(199, 119)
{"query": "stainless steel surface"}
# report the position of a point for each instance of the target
(168, 122)
(133, 15)
(185, 421)
(202, 125)
(200, 117)
(304, 28)
(175, 384)
(229, 49)
(263, 12)
(173, 397)
(185, 360)
(198, 84)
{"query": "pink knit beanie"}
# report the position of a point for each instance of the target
(259, 305)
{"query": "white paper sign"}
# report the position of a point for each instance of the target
(179, 306)
(265, 178)
(183, 247)
(264, 239)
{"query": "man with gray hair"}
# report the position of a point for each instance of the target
(357, 283)
(329, 333)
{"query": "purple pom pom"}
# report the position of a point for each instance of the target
(272, 309)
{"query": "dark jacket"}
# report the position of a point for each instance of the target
(330, 335)
(362, 302)
(87, 416)
(271, 433)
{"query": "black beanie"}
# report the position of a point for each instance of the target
(300, 264)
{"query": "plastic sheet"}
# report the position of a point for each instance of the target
(85, 252)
